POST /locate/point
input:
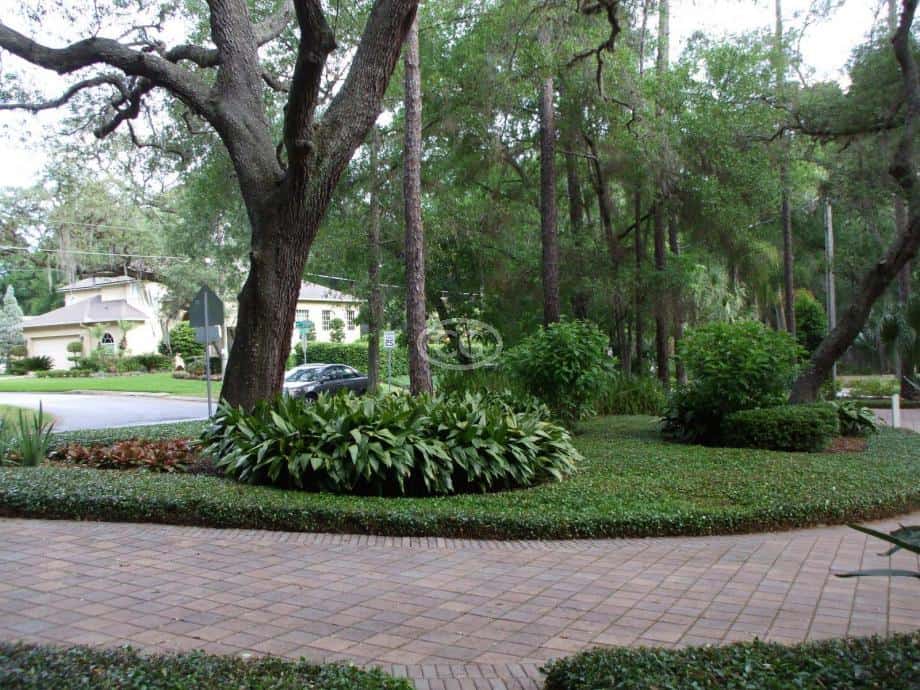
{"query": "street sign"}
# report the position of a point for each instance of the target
(304, 326)
(211, 334)
(206, 312)
(198, 310)
(389, 340)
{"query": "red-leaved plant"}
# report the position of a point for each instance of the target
(155, 456)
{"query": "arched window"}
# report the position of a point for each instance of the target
(107, 342)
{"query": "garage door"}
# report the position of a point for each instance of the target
(55, 348)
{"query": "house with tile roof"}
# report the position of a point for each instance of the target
(96, 313)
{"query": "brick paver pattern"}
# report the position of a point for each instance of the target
(445, 613)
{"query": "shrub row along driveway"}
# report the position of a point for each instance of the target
(433, 609)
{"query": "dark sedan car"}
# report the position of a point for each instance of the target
(309, 380)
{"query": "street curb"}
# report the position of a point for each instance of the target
(136, 394)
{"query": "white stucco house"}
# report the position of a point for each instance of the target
(98, 303)
(94, 306)
(322, 306)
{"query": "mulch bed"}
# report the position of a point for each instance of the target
(848, 444)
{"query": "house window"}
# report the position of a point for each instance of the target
(327, 319)
(107, 342)
(303, 315)
(350, 316)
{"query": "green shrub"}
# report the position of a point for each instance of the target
(731, 367)
(153, 361)
(28, 364)
(873, 388)
(892, 663)
(350, 354)
(564, 365)
(337, 331)
(855, 419)
(30, 667)
(64, 374)
(390, 445)
(807, 428)
(810, 321)
(631, 395)
(182, 340)
(487, 379)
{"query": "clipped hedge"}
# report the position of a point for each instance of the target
(891, 663)
(30, 667)
(804, 428)
(630, 484)
(350, 354)
(391, 445)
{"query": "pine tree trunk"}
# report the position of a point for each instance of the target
(416, 314)
(639, 251)
(661, 318)
(375, 297)
(660, 218)
(677, 310)
(548, 216)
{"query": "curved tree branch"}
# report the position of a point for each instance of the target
(64, 98)
(94, 51)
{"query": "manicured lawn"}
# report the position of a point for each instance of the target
(28, 667)
(140, 383)
(891, 663)
(631, 484)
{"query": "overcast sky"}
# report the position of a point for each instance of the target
(825, 48)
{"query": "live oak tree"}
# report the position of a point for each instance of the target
(286, 182)
(906, 243)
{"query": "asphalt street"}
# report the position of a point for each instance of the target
(79, 411)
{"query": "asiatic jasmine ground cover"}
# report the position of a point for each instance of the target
(630, 483)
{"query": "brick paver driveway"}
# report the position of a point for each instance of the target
(447, 613)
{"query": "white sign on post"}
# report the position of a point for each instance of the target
(389, 340)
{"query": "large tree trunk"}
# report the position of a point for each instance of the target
(416, 313)
(267, 305)
(375, 296)
(548, 220)
(905, 245)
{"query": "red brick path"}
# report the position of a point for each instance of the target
(447, 613)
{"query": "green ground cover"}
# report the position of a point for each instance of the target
(631, 484)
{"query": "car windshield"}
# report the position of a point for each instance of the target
(304, 375)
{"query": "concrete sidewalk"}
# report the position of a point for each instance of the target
(446, 613)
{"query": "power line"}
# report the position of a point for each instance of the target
(5, 247)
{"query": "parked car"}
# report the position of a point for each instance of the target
(309, 380)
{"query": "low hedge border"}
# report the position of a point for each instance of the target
(794, 428)
(31, 667)
(891, 663)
